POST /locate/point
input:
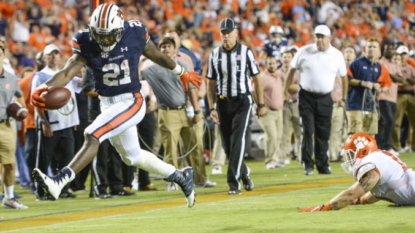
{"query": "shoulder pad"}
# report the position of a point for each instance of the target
(363, 170)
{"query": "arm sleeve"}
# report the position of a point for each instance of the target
(384, 78)
(211, 72)
(294, 62)
(18, 93)
(342, 69)
(351, 71)
(252, 63)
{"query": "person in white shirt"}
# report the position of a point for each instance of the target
(319, 64)
(56, 125)
(379, 175)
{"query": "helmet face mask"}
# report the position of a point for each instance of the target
(357, 146)
(349, 160)
(276, 33)
(106, 26)
(107, 40)
(275, 38)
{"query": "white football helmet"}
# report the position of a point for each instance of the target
(276, 30)
(275, 33)
(106, 26)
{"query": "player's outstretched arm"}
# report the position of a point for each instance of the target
(348, 196)
(343, 199)
(152, 53)
(71, 69)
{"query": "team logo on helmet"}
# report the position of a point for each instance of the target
(360, 142)
(106, 26)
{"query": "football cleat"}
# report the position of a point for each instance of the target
(185, 179)
(52, 185)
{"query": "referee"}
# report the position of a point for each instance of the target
(229, 72)
(319, 64)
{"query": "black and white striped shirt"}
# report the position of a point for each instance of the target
(232, 69)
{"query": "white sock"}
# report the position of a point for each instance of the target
(8, 192)
(149, 162)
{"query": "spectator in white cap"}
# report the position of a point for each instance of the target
(319, 64)
(56, 125)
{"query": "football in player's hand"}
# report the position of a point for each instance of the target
(56, 97)
(17, 111)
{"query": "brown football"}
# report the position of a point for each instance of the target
(56, 97)
(17, 111)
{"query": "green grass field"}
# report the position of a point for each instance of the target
(271, 207)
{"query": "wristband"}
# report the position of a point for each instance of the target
(361, 83)
(212, 109)
(43, 121)
(178, 70)
(197, 112)
(344, 99)
(325, 207)
(261, 105)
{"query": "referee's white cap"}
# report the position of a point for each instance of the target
(227, 25)
(323, 30)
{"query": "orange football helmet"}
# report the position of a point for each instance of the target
(355, 147)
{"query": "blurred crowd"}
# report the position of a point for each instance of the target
(27, 26)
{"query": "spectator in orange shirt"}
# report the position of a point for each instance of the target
(36, 38)
(29, 123)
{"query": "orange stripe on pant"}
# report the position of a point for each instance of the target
(114, 123)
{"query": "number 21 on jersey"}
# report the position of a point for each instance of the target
(113, 70)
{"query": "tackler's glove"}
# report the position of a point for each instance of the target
(324, 207)
(190, 76)
(37, 99)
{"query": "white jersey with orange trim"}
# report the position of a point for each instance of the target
(397, 181)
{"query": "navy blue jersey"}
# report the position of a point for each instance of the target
(273, 50)
(364, 69)
(114, 72)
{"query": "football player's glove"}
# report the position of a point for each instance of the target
(324, 207)
(190, 76)
(37, 99)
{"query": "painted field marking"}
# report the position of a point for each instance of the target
(153, 205)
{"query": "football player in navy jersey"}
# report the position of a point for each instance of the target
(111, 48)
(273, 46)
